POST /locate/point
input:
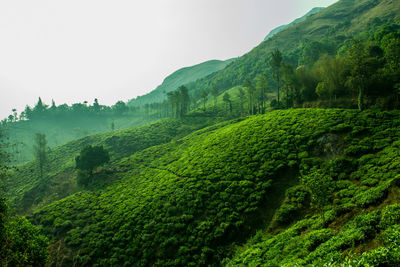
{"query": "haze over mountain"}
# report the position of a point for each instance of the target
(178, 78)
(112, 52)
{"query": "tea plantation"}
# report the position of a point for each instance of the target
(291, 187)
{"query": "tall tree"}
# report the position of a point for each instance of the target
(40, 150)
(363, 65)
(39, 108)
(242, 98)
(261, 90)
(184, 101)
(204, 95)
(276, 64)
(251, 94)
(332, 73)
(214, 92)
(227, 99)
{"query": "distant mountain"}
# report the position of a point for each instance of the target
(332, 26)
(178, 78)
(283, 27)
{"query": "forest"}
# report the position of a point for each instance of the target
(286, 156)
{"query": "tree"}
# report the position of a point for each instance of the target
(214, 92)
(227, 99)
(89, 158)
(39, 108)
(96, 106)
(242, 98)
(184, 101)
(21, 243)
(40, 150)
(363, 66)
(290, 82)
(251, 92)
(321, 188)
(120, 108)
(331, 71)
(261, 90)
(276, 63)
(204, 95)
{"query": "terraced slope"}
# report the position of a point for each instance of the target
(191, 201)
(27, 191)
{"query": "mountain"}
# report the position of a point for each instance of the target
(283, 27)
(178, 78)
(329, 28)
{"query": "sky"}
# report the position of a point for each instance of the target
(78, 50)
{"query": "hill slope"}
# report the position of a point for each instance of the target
(187, 202)
(178, 78)
(331, 26)
(283, 27)
(27, 191)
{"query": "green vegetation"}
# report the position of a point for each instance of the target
(26, 190)
(284, 27)
(63, 123)
(178, 78)
(241, 174)
(40, 148)
(90, 158)
(21, 243)
(186, 202)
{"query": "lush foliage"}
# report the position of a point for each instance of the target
(90, 158)
(21, 243)
(27, 190)
(186, 202)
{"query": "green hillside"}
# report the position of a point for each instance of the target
(193, 201)
(180, 77)
(27, 191)
(237, 177)
(283, 27)
(330, 27)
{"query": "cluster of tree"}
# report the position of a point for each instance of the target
(21, 243)
(43, 111)
(350, 73)
(89, 158)
(366, 71)
(179, 101)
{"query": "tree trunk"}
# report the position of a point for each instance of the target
(361, 105)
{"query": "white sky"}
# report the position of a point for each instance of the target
(77, 50)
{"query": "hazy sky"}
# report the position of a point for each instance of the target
(78, 50)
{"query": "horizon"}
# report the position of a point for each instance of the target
(57, 51)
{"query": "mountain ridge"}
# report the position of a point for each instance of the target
(180, 77)
(285, 26)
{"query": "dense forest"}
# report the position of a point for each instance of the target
(286, 156)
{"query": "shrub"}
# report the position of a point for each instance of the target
(286, 213)
(390, 216)
(317, 237)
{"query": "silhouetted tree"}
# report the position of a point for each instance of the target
(89, 158)
(214, 92)
(276, 63)
(40, 149)
(251, 94)
(261, 90)
(204, 95)
(242, 98)
(227, 99)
